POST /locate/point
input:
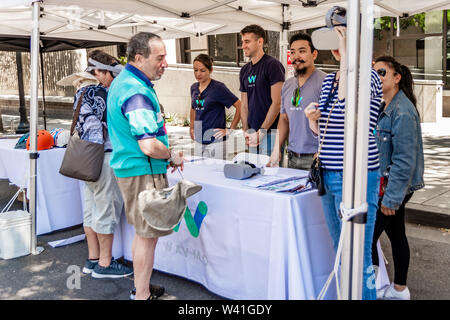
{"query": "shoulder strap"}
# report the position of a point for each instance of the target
(77, 112)
(326, 126)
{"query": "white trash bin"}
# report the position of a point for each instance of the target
(15, 234)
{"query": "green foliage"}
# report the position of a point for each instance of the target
(172, 118)
(186, 123)
(229, 118)
(384, 23)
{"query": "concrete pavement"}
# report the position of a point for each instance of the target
(431, 205)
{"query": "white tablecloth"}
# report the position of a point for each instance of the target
(59, 199)
(252, 244)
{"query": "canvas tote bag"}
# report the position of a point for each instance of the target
(83, 159)
(163, 209)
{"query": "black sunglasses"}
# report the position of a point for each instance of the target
(381, 72)
(296, 98)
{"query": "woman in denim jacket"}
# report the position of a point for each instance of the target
(399, 140)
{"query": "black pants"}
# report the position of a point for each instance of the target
(395, 230)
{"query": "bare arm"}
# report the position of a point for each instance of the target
(341, 33)
(274, 110)
(282, 129)
(313, 115)
(282, 134)
(244, 111)
(237, 114)
(191, 123)
(154, 148)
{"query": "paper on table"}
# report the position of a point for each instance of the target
(260, 180)
(65, 242)
(286, 186)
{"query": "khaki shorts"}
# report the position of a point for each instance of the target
(130, 188)
(103, 202)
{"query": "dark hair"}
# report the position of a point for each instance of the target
(102, 57)
(139, 44)
(206, 60)
(406, 82)
(302, 36)
(256, 30)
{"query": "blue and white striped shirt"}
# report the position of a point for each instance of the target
(332, 153)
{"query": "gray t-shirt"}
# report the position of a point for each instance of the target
(301, 138)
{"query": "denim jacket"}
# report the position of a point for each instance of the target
(399, 140)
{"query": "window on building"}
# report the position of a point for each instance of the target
(226, 49)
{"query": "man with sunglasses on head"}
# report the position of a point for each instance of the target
(260, 84)
(297, 93)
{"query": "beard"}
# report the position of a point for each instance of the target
(300, 72)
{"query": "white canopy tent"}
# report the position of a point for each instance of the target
(113, 20)
(110, 20)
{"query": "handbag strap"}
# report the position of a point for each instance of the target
(326, 127)
(77, 112)
(76, 115)
(151, 168)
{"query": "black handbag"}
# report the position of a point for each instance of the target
(315, 175)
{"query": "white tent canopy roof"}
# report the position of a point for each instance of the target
(112, 20)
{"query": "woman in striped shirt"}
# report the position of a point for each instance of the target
(331, 109)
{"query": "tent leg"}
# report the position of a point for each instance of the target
(34, 84)
(357, 120)
(362, 145)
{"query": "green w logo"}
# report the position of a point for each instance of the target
(194, 223)
(251, 79)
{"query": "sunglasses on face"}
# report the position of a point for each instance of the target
(296, 98)
(381, 72)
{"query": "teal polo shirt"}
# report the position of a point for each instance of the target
(134, 114)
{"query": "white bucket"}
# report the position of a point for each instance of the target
(15, 234)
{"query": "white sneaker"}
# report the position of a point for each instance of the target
(392, 294)
(380, 292)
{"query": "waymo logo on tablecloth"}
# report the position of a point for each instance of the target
(252, 79)
(194, 223)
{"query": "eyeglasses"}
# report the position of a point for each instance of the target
(296, 98)
(381, 72)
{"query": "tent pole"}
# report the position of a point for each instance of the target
(284, 41)
(348, 187)
(34, 84)
(362, 147)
